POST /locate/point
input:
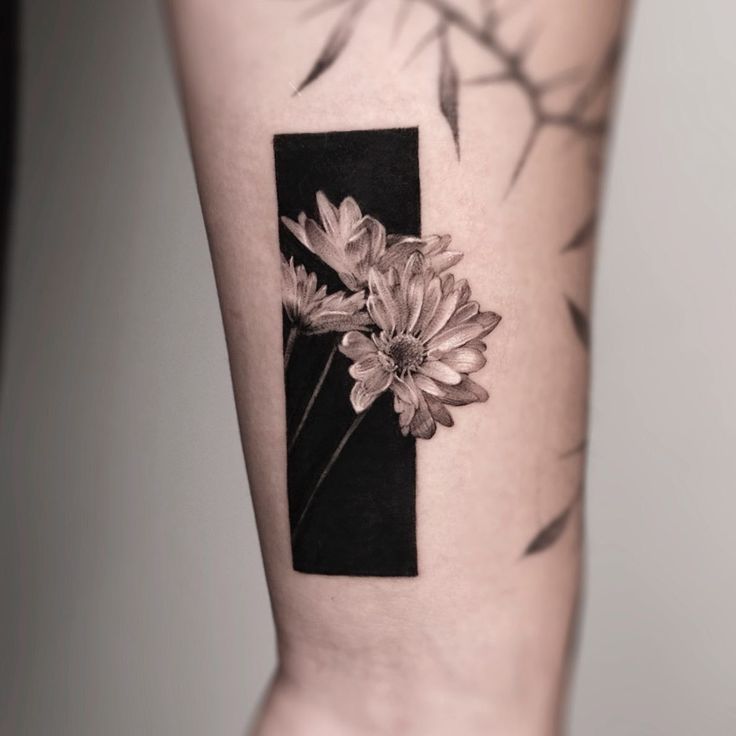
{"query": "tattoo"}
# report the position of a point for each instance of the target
(579, 449)
(584, 117)
(380, 339)
(579, 322)
(510, 66)
(583, 235)
(551, 532)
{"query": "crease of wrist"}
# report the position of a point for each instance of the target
(387, 691)
(349, 707)
(379, 667)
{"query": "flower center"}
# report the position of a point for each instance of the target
(407, 352)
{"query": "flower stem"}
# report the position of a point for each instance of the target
(313, 397)
(290, 340)
(336, 454)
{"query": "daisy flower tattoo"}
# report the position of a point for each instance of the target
(407, 327)
(312, 311)
(427, 340)
(352, 243)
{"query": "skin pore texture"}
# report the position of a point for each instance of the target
(510, 102)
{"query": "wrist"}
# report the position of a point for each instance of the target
(337, 703)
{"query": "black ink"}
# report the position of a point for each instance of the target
(448, 89)
(335, 44)
(362, 520)
(584, 118)
(579, 449)
(551, 532)
(583, 235)
(388, 301)
(579, 322)
(487, 33)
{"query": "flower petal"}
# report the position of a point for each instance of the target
(375, 232)
(413, 298)
(296, 229)
(464, 289)
(439, 412)
(356, 346)
(357, 249)
(432, 296)
(476, 389)
(406, 390)
(398, 250)
(432, 247)
(388, 311)
(464, 313)
(350, 281)
(448, 283)
(381, 316)
(328, 215)
(489, 320)
(435, 244)
(365, 246)
(370, 371)
(378, 381)
(321, 312)
(318, 242)
(360, 398)
(444, 311)
(466, 392)
(428, 385)
(405, 412)
(443, 261)
(440, 372)
(365, 367)
(464, 360)
(349, 215)
(422, 424)
(454, 337)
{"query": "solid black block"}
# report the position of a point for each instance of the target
(362, 520)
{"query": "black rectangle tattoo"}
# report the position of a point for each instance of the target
(379, 339)
(362, 520)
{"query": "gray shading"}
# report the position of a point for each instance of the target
(583, 235)
(336, 42)
(551, 532)
(510, 67)
(579, 322)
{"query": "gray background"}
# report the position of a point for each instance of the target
(132, 594)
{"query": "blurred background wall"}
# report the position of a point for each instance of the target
(131, 592)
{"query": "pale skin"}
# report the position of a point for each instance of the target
(479, 642)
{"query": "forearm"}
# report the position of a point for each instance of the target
(421, 532)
